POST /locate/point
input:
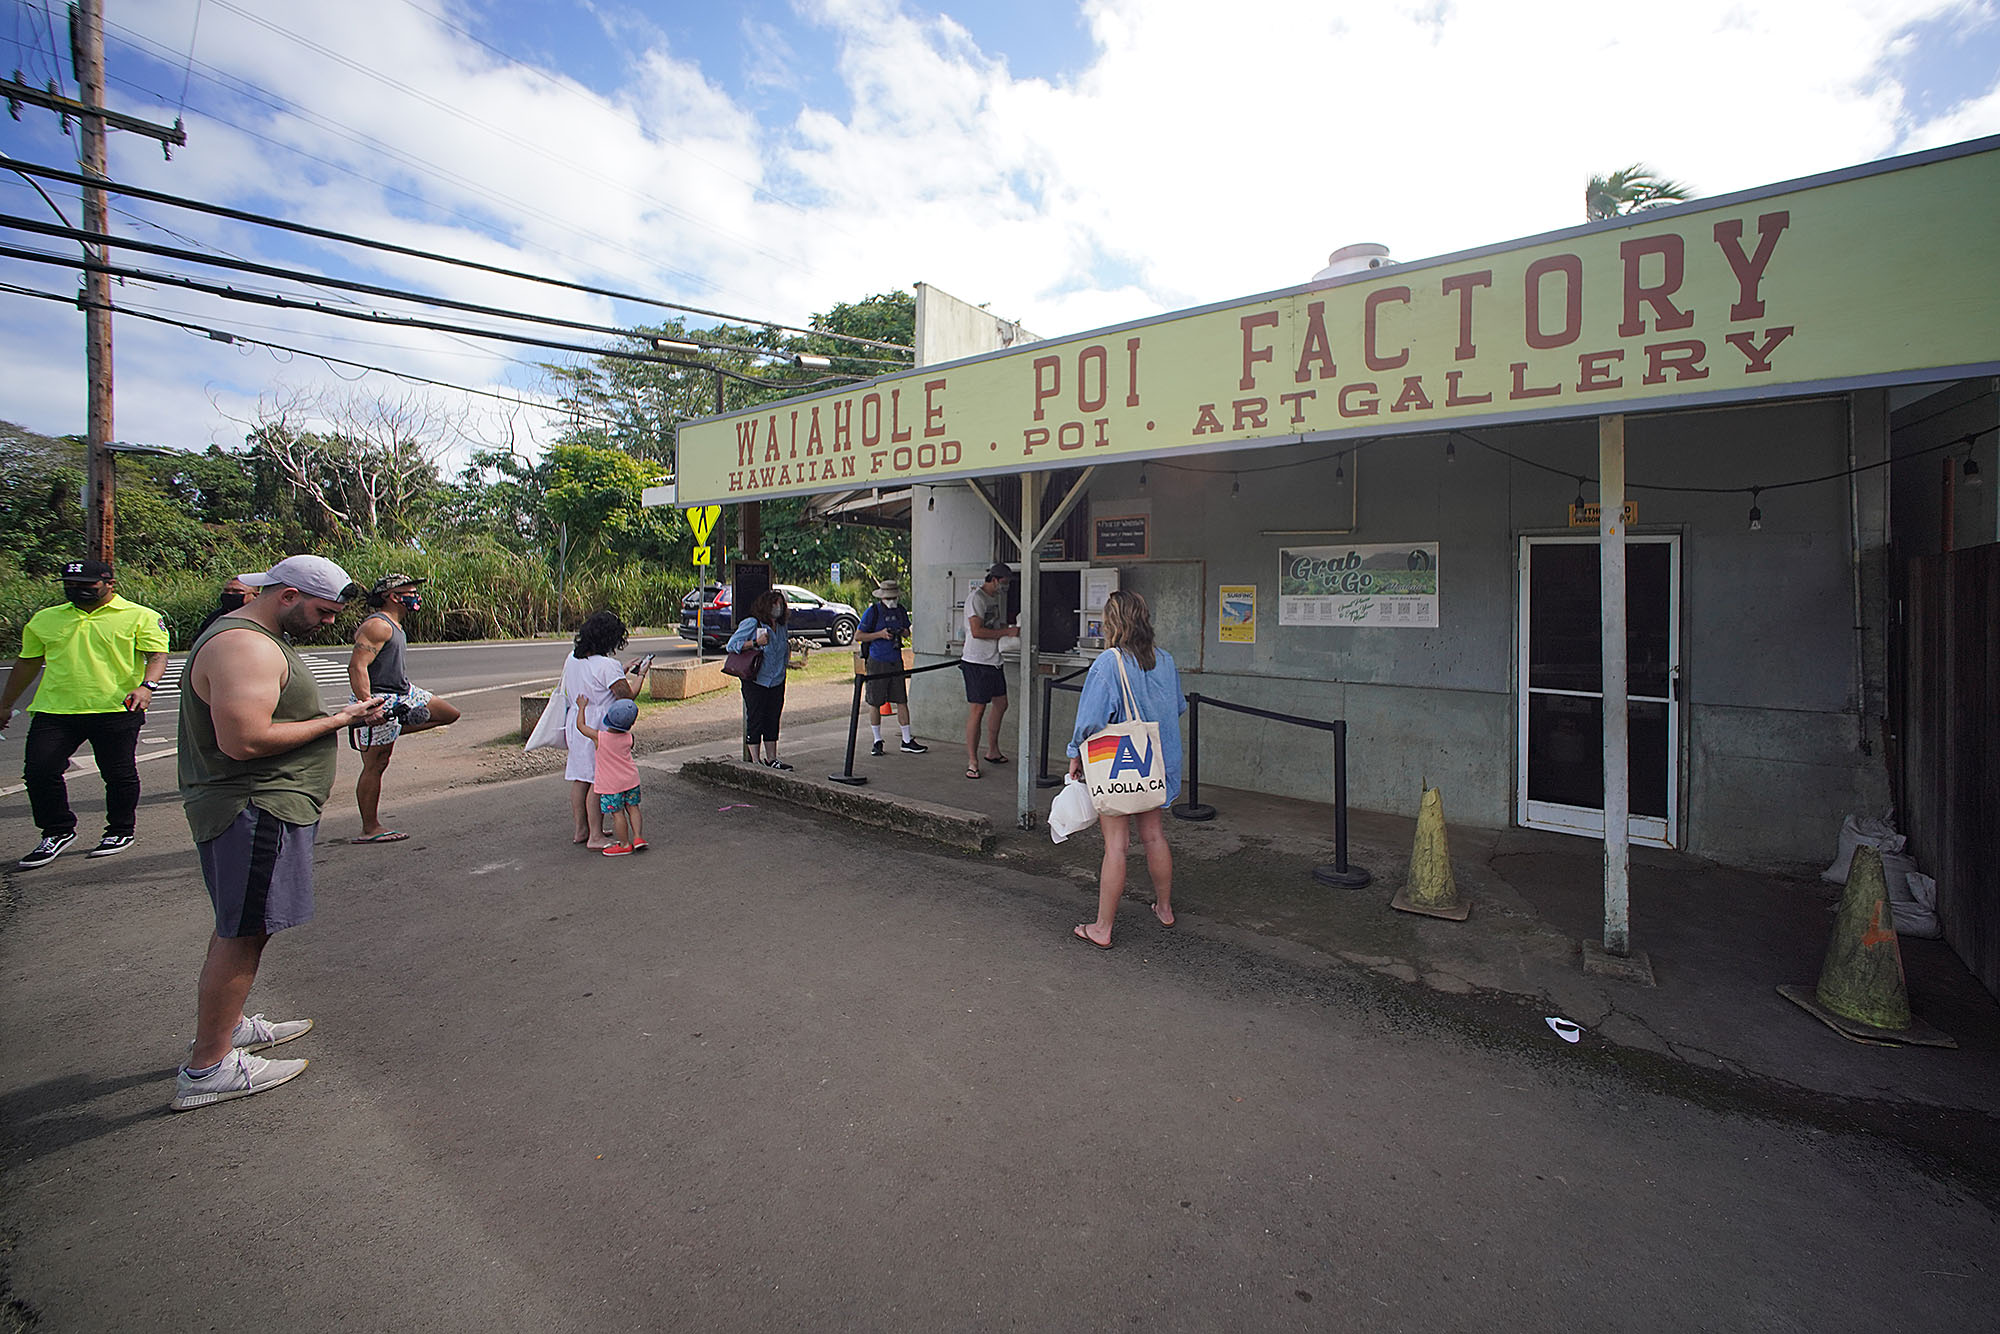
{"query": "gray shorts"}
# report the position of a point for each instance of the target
(260, 874)
(885, 684)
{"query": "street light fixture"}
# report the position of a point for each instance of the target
(806, 361)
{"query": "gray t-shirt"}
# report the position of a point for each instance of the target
(991, 611)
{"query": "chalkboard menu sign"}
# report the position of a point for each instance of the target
(1120, 536)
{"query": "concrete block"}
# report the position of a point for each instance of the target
(1635, 967)
(531, 709)
(685, 678)
(968, 831)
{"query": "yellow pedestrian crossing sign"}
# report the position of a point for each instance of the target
(701, 557)
(702, 520)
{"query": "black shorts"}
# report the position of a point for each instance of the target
(984, 682)
(762, 708)
(886, 683)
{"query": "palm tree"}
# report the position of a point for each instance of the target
(1628, 190)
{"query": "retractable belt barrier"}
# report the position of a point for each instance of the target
(847, 774)
(1339, 873)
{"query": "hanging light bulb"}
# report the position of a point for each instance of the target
(1142, 477)
(1450, 451)
(1756, 514)
(1339, 472)
(1580, 501)
(1970, 473)
(1235, 487)
(931, 502)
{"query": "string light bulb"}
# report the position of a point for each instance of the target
(1756, 514)
(1339, 472)
(1235, 487)
(1450, 451)
(1580, 501)
(1970, 473)
(1142, 477)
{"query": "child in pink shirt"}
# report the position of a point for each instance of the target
(616, 783)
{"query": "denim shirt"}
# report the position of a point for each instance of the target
(772, 673)
(1158, 693)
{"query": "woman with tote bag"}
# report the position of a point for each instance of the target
(1131, 677)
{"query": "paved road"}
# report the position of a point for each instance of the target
(444, 669)
(805, 1079)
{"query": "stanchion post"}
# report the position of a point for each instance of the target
(1192, 808)
(847, 775)
(1340, 875)
(1042, 776)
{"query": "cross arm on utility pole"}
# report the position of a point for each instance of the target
(17, 92)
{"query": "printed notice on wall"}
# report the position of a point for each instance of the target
(1392, 586)
(1237, 622)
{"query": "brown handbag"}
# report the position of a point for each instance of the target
(744, 663)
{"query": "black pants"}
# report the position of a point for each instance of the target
(113, 738)
(763, 706)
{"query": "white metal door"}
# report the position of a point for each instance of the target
(1559, 779)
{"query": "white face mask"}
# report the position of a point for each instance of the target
(888, 602)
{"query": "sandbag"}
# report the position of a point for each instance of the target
(1856, 831)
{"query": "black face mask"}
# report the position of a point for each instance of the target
(85, 596)
(231, 601)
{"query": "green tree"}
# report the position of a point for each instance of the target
(1628, 190)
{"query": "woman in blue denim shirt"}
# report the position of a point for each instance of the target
(1156, 687)
(764, 698)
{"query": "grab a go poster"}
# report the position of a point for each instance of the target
(1388, 585)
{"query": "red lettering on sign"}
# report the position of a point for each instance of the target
(1666, 315)
(1465, 284)
(1369, 408)
(1593, 371)
(843, 424)
(1297, 401)
(871, 420)
(1758, 357)
(1413, 396)
(814, 444)
(1376, 361)
(1250, 413)
(771, 440)
(897, 431)
(1454, 399)
(746, 442)
(1206, 422)
(1749, 269)
(1048, 382)
(1315, 349)
(1683, 358)
(933, 414)
(1571, 269)
(1521, 389)
(1085, 398)
(1252, 354)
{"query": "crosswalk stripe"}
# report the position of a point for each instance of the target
(330, 673)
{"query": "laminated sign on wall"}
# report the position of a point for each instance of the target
(1359, 585)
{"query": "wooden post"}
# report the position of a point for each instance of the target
(101, 483)
(1029, 570)
(1617, 742)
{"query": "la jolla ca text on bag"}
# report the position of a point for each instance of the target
(1124, 765)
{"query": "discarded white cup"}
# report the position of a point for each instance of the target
(1563, 1028)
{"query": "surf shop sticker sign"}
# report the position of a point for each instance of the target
(1389, 585)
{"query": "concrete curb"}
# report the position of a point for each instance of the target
(964, 830)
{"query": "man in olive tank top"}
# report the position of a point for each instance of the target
(257, 754)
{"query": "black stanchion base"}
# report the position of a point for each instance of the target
(1042, 780)
(851, 780)
(1352, 878)
(1196, 811)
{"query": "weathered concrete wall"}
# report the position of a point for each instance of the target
(1775, 678)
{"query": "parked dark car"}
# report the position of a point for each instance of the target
(812, 616)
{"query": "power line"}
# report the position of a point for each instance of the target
(389, 247)
(407, 321)
(231, 337)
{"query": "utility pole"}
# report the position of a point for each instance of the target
(86, 54)
(100, 490)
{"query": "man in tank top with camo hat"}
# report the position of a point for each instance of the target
(257, 754)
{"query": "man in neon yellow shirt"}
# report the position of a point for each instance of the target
(100, 658)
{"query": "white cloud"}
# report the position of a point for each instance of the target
(1203, 154)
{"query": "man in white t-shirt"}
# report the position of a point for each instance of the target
(985, 680)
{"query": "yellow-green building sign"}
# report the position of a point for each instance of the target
(1874, 275)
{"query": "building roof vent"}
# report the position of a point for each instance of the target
(1354, 259)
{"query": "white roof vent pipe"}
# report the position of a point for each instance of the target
(1354, 259)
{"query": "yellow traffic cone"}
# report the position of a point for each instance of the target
(1861, 993)
(1430, 889)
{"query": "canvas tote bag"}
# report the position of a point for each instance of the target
(1124, 765)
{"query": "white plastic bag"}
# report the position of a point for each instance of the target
(1859, 831)
(1917, 915)
(552, 728)
(1072, 810)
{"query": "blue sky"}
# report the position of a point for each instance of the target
(1072, 164)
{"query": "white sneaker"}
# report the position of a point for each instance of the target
(238, 1076)
(255, 1032)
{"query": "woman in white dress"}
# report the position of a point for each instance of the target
(592, 672)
